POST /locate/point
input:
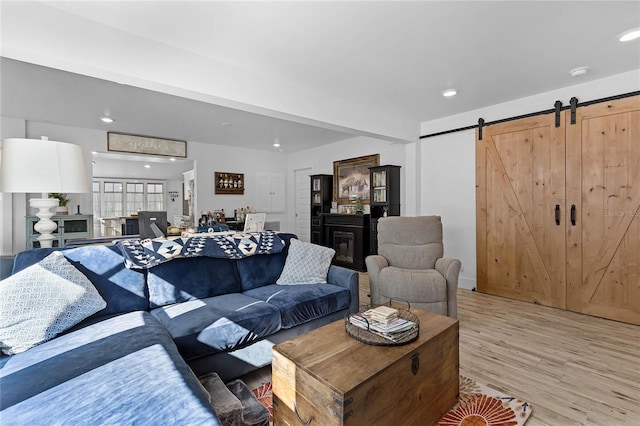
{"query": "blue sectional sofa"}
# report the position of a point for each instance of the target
(137, 360)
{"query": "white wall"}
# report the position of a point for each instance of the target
(448, 190)
(218, 158)
(447, 162)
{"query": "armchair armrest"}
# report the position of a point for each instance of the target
(375, 264)
(450, 270)
(349, 279)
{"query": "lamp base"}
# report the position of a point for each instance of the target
(45, 226)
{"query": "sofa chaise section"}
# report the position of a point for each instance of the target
(121, 370)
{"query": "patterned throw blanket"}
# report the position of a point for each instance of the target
(143, 254)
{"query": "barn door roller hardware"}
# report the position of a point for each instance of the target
(574, 104)
(558, 106)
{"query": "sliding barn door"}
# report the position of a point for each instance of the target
(603, 176)
(520, 196)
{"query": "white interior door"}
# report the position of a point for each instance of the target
(303, 204)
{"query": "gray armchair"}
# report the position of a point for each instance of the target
(410, 265)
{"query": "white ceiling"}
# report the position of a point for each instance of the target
(50, 95)
(305, 73)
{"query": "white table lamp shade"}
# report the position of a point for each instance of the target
(33, 165)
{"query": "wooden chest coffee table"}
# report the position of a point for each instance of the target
(326, 377)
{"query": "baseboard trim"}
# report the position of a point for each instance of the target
(466, 282)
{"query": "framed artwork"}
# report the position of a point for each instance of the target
(351, 179)
(254, 222)
(228, 183)
(146, 145)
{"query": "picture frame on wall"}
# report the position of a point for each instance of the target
(351, 179)
(228, 183)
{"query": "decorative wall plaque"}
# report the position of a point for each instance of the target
(228, 183)
(146, 145)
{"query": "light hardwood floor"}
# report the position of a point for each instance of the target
(574, 369)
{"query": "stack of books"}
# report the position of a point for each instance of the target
(383, 314)
(384, 321)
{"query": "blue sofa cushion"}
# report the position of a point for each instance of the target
(302, 303)
(123, 370)
(193, 278)
(264, 269)
(216, 324)
(123, 289)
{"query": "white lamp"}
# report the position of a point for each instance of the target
(33, 165)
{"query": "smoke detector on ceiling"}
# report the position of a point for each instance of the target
(578, 71)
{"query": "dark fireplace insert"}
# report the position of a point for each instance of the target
(348, 235)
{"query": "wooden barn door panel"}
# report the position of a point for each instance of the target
(603, 168)
(520, 179)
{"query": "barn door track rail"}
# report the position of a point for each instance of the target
(558, 107)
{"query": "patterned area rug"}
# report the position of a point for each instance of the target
(482, 406)
(264, 395)
(478, 406)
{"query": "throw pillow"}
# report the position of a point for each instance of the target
(43, 300)
(306, 264)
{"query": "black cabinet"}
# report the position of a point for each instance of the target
(348, 235)
(321, 197)
(384, 198)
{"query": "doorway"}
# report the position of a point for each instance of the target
(303, 204)
(117, 177)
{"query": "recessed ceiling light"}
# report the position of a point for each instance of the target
(276, 143)
(629, 35)
(147, 166)
(107, 119)
(449, 93)
(578, 71)
(172, 159)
